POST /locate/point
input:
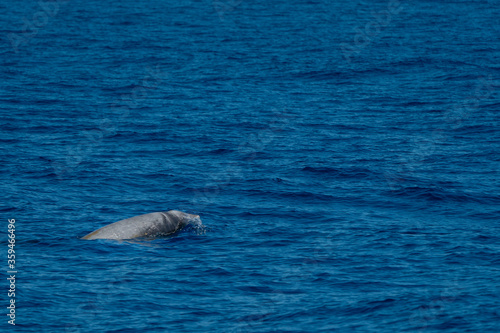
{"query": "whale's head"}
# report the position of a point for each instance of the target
(184, 217)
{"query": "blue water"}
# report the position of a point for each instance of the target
(343, 157)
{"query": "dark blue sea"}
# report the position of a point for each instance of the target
(343, 157)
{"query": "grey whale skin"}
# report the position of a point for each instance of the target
(147, 225)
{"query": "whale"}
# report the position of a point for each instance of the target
(147, 225)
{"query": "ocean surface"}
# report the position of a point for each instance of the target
(343, 157)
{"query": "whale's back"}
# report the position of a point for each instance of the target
(147, 225)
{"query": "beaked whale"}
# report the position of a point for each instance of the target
(147, 225)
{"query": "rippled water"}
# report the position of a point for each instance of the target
(342, 155)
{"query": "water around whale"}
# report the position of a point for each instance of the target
(343, 154)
